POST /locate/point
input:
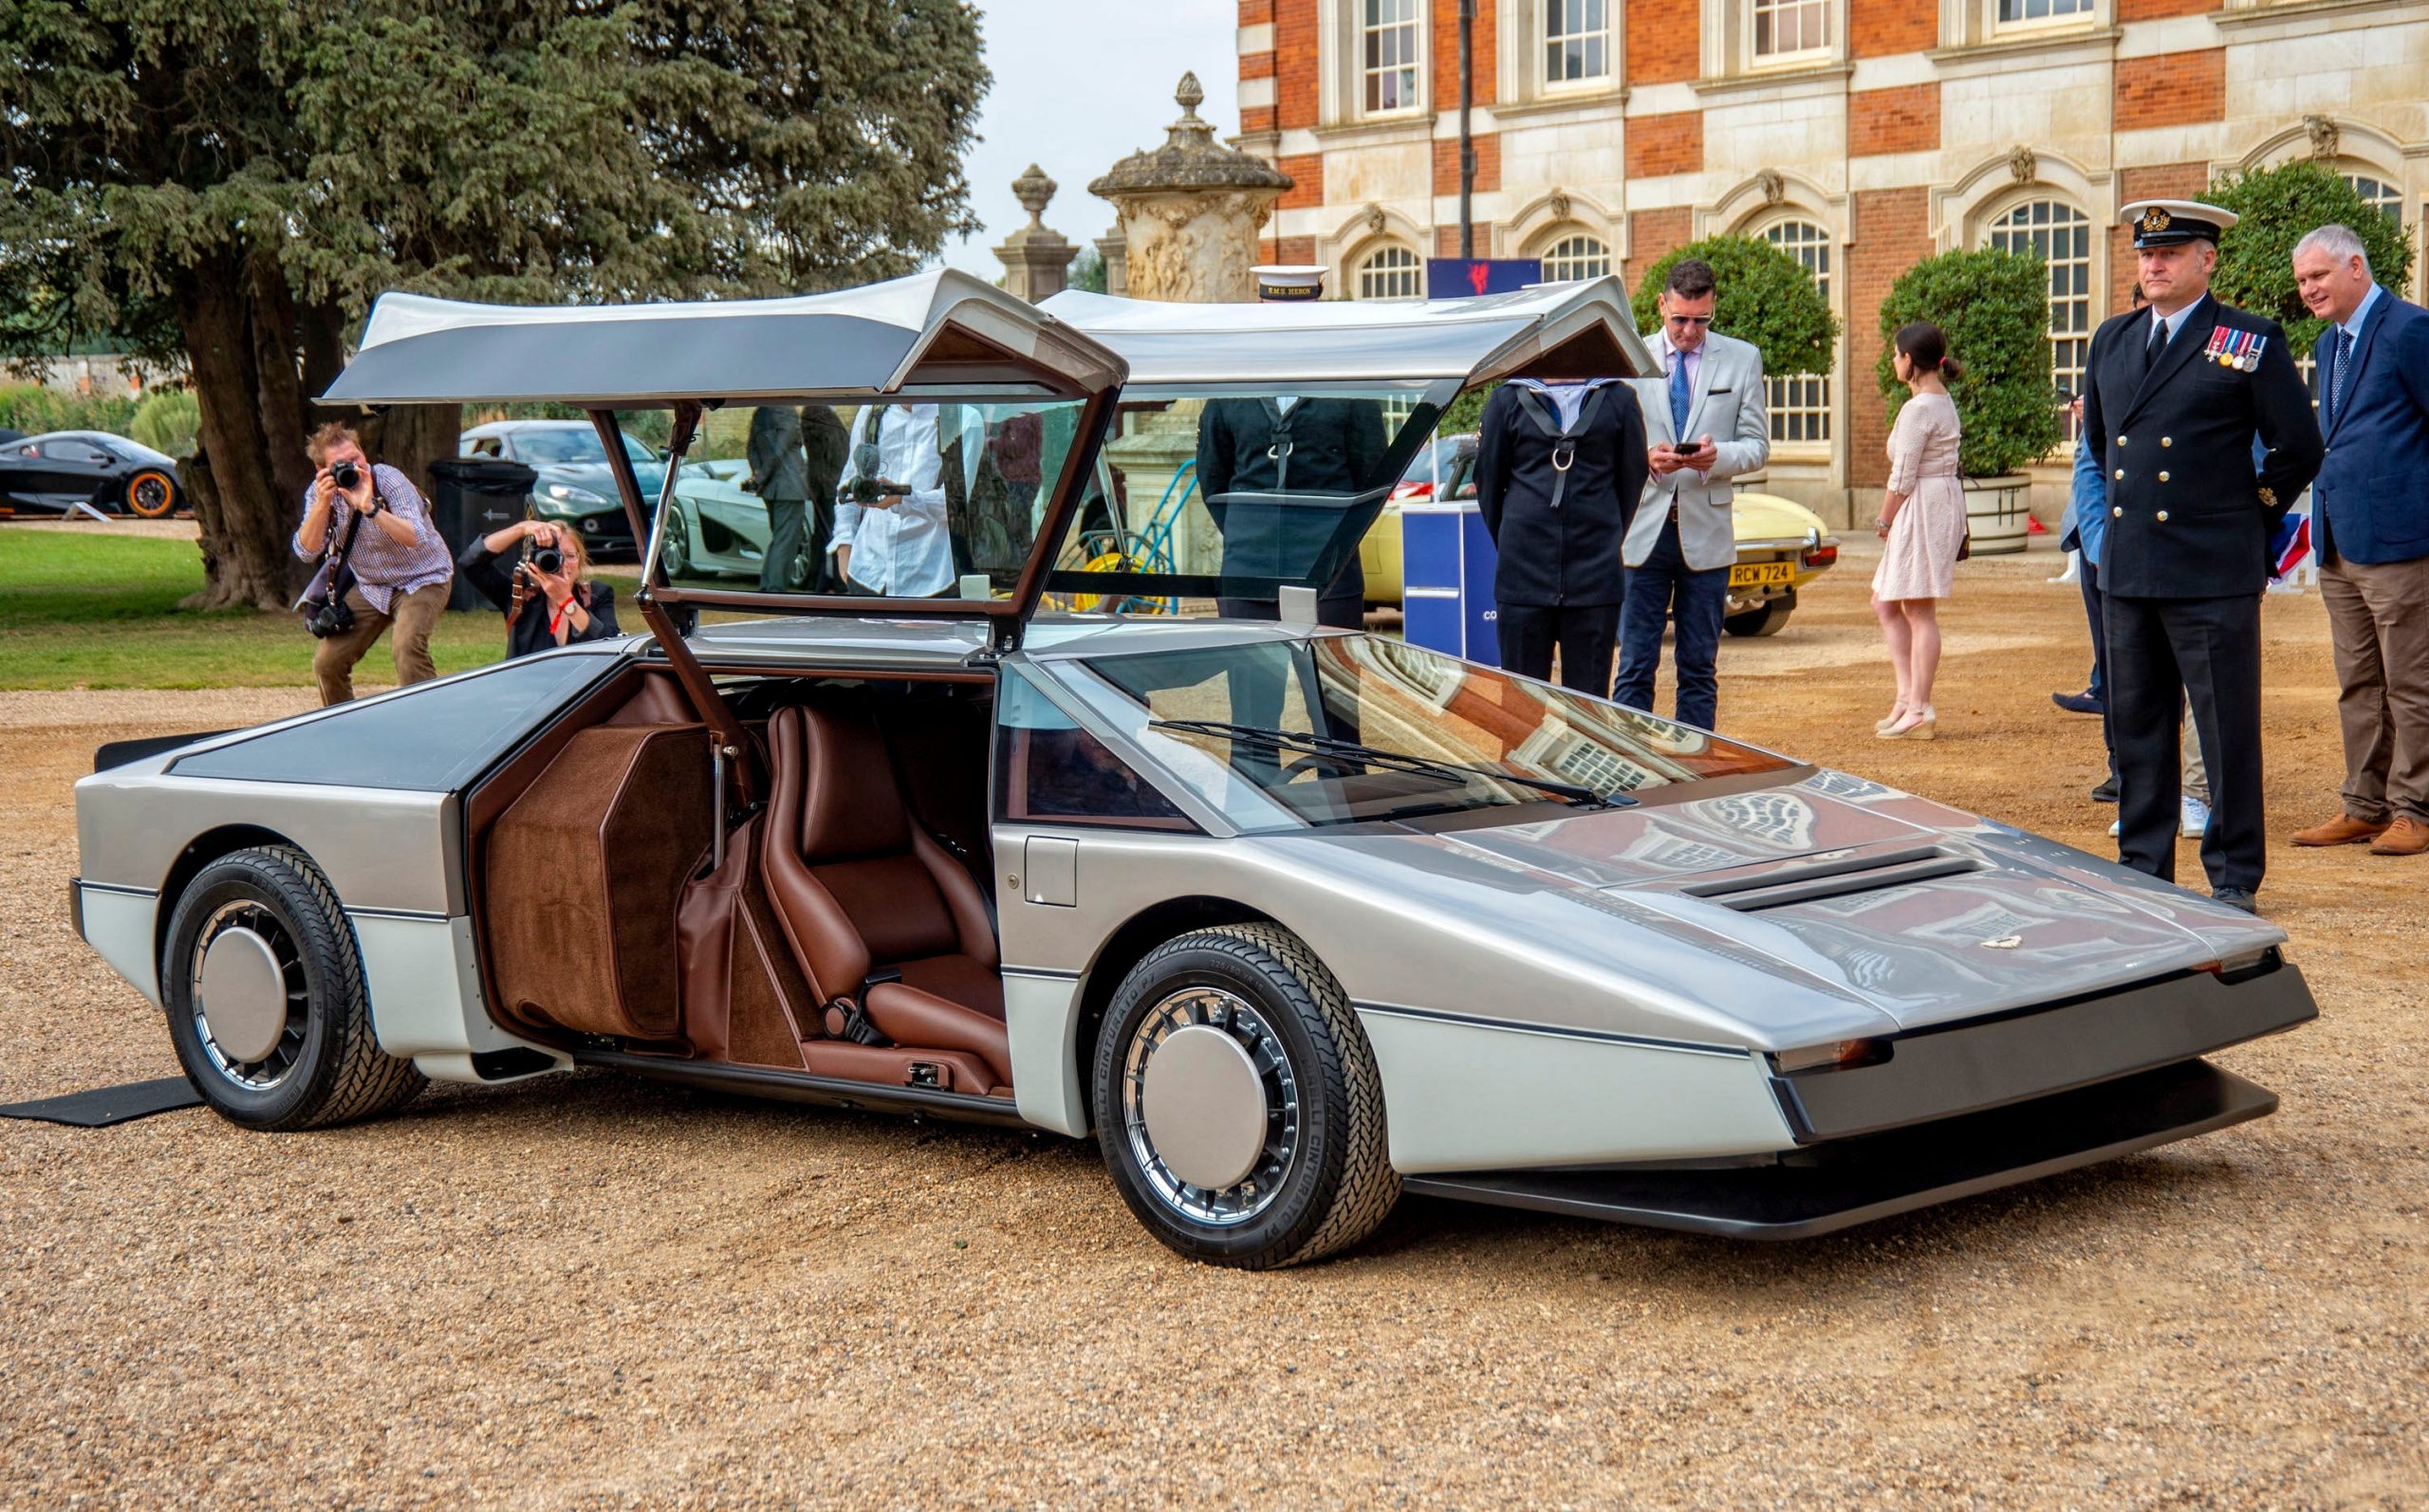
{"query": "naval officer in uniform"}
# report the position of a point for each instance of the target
(2173, 396)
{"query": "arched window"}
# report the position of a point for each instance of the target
(1577, 256)
(2385, 198)
(1800, 402)
(1391, 273)
(2062, 236)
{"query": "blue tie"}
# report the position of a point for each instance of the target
(1679, 396)
(2336, 379)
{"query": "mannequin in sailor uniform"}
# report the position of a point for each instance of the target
(1288, 444)
(1559, 467)
(2173, 398)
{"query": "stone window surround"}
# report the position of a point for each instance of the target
(1976, 24)
(1571, 234)
(1560, 212)
(1341, 65)
(1729, 43)
(1519, 39)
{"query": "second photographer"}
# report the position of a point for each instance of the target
(542, 588)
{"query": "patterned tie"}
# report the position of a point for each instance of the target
(1679, 396)
(2344, 371)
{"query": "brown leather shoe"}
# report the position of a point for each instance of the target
(2405, 837)
(2342, 830)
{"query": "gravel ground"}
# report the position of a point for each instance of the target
(596, 1292)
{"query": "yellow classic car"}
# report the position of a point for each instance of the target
(1780, 545)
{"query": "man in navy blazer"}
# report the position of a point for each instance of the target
(2370, 527)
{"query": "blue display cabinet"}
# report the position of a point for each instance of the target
(1446, 580)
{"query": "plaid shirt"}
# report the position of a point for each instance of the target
(382, 569)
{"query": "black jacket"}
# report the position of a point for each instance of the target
(2190, 517)
(1568, 555)
(493, 574)
(1336, 447)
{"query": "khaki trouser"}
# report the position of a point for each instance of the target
(416, 615)
(2378, 619)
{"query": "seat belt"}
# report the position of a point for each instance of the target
(1563, 439)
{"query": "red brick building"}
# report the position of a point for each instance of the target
(1857, 134)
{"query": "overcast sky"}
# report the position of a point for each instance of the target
(1079, 85)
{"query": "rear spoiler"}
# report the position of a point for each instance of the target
(121, 752)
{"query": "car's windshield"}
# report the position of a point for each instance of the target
(1466, 735)
(573, 444)
(1230, 492)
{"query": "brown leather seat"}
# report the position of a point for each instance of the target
(861, 890)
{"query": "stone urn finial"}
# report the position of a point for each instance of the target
(1191, 209)
(1034, 190)
(1036, 259)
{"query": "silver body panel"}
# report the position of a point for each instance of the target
(1541, 992)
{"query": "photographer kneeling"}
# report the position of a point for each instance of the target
(547, 600)
(387, 556)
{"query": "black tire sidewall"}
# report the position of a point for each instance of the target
(1223, 961)
(272, 882)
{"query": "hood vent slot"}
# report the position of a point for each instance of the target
(1836, 877)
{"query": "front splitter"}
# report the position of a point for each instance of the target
(1825, 1187)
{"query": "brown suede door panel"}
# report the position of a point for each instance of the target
(582, 875)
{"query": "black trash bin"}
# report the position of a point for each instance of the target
(472, 497)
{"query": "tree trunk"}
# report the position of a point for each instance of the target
(412, 436)
(245, 524)
(322, 329)
(282, 417)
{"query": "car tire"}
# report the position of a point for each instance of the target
(151, 494)
(1284, 1090)
(674, 551)
(1767, 619)
(318, 1062)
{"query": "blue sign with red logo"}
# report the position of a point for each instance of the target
(1464, 277)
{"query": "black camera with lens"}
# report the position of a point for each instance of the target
(326, 618)
(548, 560)
(347, 475)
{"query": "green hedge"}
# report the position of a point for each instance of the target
(166, 421)
(1766, 296)
(1994, 308)
(32, 409)
(2279, 206)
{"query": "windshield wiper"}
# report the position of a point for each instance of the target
(1389, 760)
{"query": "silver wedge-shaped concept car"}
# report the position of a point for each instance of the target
(1292, 919)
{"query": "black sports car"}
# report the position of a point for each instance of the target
(56, 473)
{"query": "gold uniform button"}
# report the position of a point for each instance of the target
(2117, 512)
(2162, 517)
(2162, 477)
(2121, 440)
(2120, 474)
(2167, 440)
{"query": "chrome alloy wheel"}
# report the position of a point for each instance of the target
(675, 552)
(1211, 1106)
(251, 1001)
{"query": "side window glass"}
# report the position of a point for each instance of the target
(1050, 771)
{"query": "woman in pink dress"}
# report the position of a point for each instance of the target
(1922, 520)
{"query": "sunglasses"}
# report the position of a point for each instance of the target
(1691, 319)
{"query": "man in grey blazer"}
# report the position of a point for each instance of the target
(1705, 423)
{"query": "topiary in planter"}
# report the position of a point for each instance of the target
(1993, 307)
(1766, 296)
(2279, 206)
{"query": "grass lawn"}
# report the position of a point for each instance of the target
(101, 611)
